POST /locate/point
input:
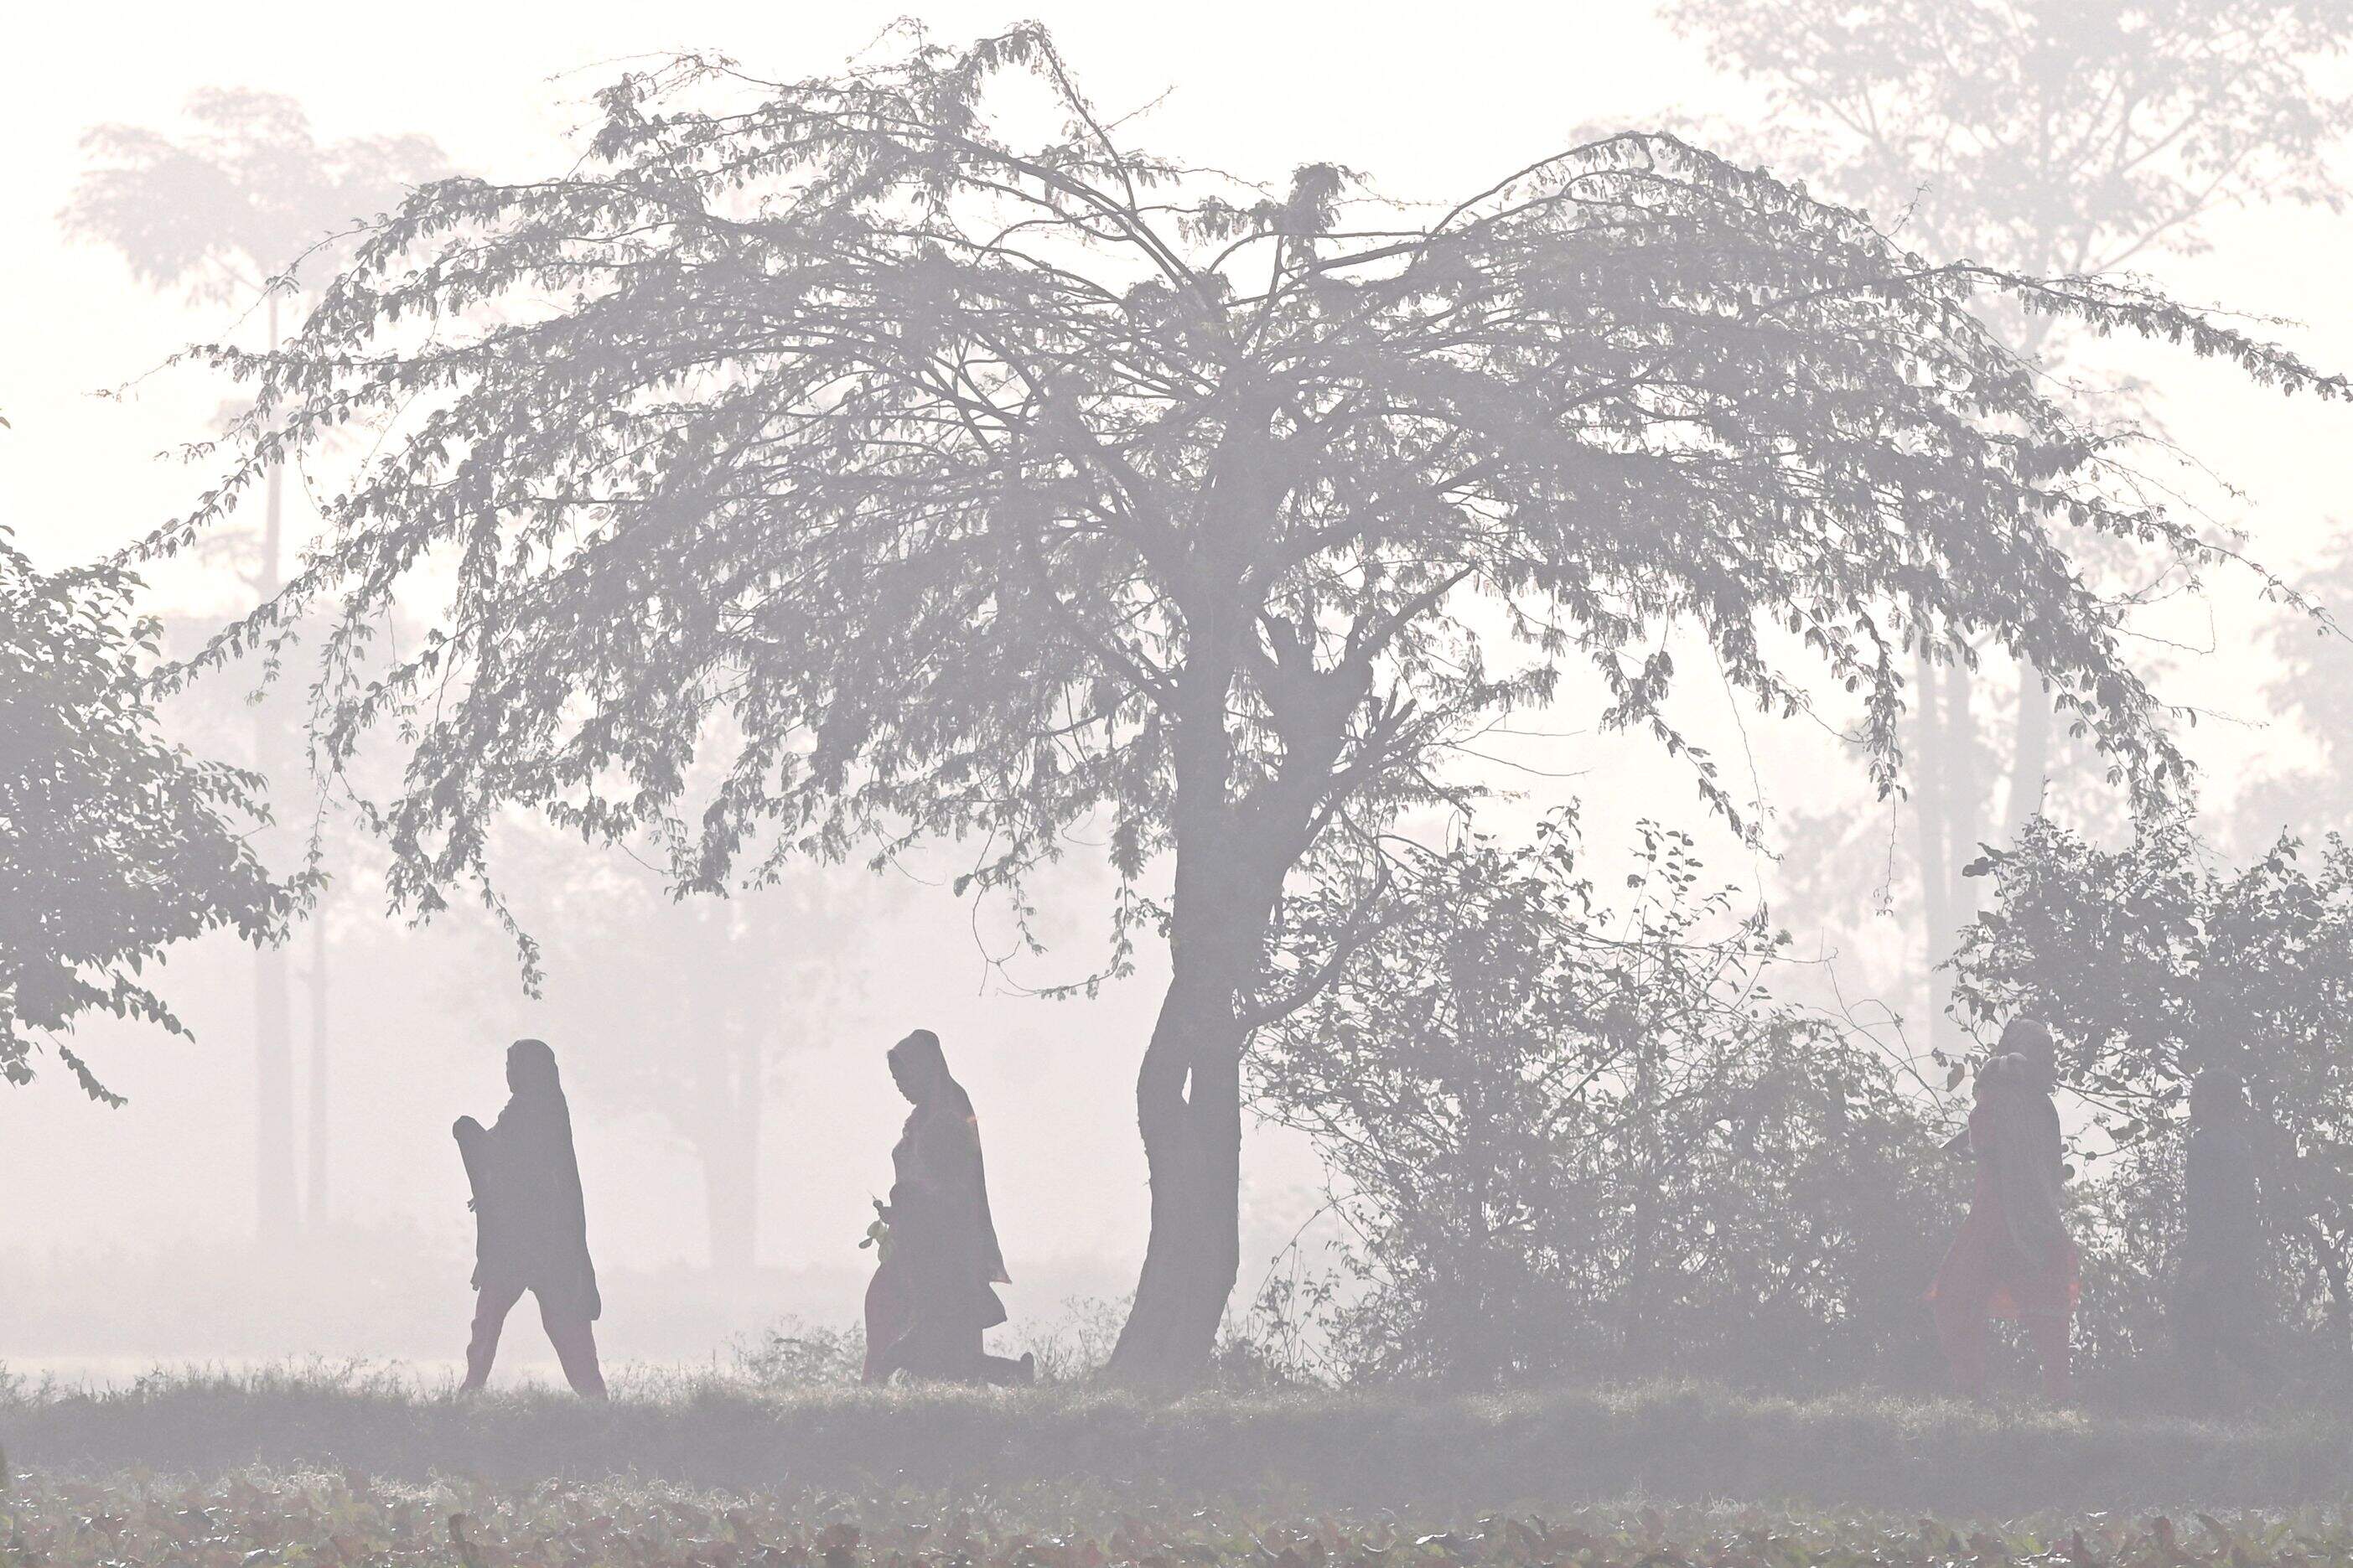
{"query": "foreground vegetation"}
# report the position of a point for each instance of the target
(1442, 1458)
(307, 1517)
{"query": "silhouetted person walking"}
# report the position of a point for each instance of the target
(531, 1227)
(2219, 1308)
(934, 1295)
(2013, 1258)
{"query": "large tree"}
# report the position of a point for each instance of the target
(2051, 137)
(996, 487)
(250, 208)
(113, 843)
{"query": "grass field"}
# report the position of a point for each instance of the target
(251, 1520)
(1299, 1453)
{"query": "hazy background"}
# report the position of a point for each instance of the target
(127, 1236)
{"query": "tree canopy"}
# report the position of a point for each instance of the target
(113, 844)
(1000, 484)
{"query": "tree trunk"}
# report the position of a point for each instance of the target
(1928, 805)
(1189, 1104)
(2031, 759)
(2031, 749)
(1232, 859)
(729, 1153)
(319, 1209)
(1188, 1107)
(273, 1061)
(277, 1212)
(1964, 795)
(1964, 792)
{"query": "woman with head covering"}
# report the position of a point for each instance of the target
(531, 1227)
(934, 1294)
(2013, 1258)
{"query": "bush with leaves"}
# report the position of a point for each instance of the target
(2154, 961)
(113, 843)
(1571, 1137)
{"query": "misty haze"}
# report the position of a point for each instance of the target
(1242, 783)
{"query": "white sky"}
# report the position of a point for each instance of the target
(1428, 100)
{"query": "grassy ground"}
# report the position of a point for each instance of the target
(264, 1518)
(1305, 1451)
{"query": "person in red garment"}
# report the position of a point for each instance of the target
(531, 1223)
(2013, 1258)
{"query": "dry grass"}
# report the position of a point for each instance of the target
(1669, 1442)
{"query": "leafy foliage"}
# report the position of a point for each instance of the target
(113, 844)
(1579, 1137)
(969, 474)
(2154, 961)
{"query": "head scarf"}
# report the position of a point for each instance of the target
(2024, 1145)
(530, 1071)
(2028, 1046)
(921, 1061)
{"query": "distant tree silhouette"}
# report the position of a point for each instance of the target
(996, 486)
(113, 844)
(2314, 688)
(690, 1010)
(251, 207)
(2051, 137)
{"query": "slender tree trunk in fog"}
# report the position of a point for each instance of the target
(1950, 802)
(729, 1152)
(318, 1208)
(1929, 812)
(1965, 807)
(2031, 759)
(2029, 762)
(273, 1047)
(1965, 792)
(1639, 1336)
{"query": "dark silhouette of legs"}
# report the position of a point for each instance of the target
(1963, 1329)
(574, 1339)
(950, 1353)
(2212, 1332)
(568, 1329)
(1960, 1317)
(2052, 1329)
(888, 1317)
(492, 1303)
